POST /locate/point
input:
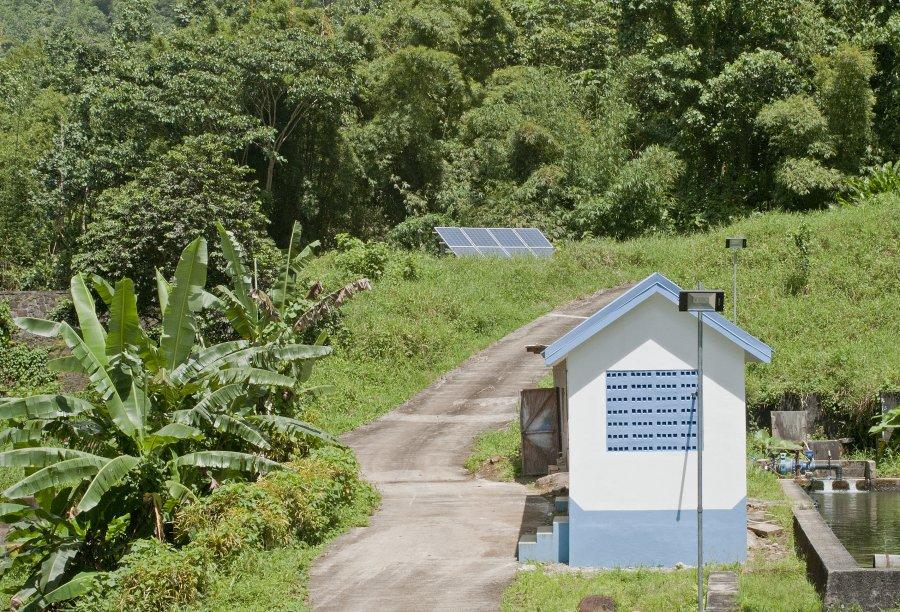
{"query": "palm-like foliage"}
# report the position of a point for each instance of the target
(161, 418)
(288, 308)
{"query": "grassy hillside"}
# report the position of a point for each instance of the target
(822, 289)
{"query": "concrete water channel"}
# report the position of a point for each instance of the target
(866, 522)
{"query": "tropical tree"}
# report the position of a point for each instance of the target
(162, 421)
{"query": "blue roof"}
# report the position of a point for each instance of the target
(655, 284)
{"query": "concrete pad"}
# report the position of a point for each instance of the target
(443, 540)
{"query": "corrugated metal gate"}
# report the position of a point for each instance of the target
(539, 422)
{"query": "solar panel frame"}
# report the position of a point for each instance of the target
(496, 250)
(533, 237)
(453, 236)
(495, 241)
(519, 251)
(464, 251)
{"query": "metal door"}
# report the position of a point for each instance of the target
(539, 422)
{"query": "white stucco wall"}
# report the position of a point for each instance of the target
(654, 335)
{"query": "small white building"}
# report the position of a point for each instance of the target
(627, 378)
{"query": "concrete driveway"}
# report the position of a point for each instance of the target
(443, 540)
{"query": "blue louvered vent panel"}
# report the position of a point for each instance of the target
(651, 410)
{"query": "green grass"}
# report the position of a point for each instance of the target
(642, 589)
(887, 465)
(829, 333)
(263, 580)
(775, 582)
(771, 580)
(278, 579)
(503, 443)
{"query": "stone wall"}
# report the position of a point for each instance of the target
(32, 303)
(36, 304)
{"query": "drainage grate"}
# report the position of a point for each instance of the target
(651, 410)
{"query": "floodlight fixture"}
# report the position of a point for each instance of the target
(734, 245)
(701, 300)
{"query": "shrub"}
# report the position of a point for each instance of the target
(361, 258)
(795, 126)
(7, 327)
(530, 147)
(881, 179)
(300, 504)
(23, 370)
(418, 232)
(805, 183)
(639, 199)
(156, 576)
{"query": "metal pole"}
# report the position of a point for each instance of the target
(734, 282)
(700, 461)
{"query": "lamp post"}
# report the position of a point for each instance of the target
(700, 301)
(735, 245)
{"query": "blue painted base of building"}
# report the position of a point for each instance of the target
(655, 537)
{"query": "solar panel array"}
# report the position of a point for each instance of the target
(495, 241)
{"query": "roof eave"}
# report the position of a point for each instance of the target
(656, 283)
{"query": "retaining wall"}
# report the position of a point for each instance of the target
(32, 303)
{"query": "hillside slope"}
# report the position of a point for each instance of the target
(822, 289)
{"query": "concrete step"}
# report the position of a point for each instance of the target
(561, 504)
(561, 538)
(721, 592)
(549, 543)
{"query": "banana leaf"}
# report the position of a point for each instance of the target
(92, 332)
(179, 326)
(107, 477)
(228, 460)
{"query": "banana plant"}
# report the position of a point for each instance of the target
(288, 308)
(159, 419)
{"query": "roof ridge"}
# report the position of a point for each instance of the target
(654, 284)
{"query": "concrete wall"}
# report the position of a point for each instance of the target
(840, 581)
(644, 502)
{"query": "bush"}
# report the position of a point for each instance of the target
(361, 258)
(418, 232)
(23, 369)
(878, 180)
(156, 576)
(639, 200)
(530, 147)
(302, 504)
(7, 327)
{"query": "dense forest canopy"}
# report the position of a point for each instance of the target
(127, 127)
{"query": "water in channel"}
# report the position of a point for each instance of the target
(866, 523)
